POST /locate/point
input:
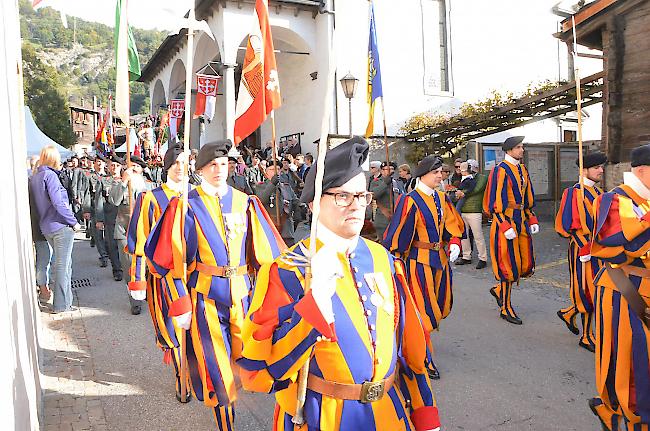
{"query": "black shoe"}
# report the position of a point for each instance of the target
(589, 346)
(463, 262)
(117, 276)
(481, 264)
(188, 397)
(135, 310)
(592, 406)
(493, 291)
(433, 373)
(514, 320)
(571, 325)
(103, 263)
(92, 243)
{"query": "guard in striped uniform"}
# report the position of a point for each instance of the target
(621, 239)
(226, 236)
(358, 326)
(425, 224)
(574, 220)
(148, 208)
(509, 198)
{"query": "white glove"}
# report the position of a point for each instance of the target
(138, 295)
(76, 227)
(293, 167)
(183, 321)
(326, 268)
(510, 234)
(534, 228)
(586, 258)
(454, 252)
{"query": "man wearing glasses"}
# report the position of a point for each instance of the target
(355, 325)
(425, 224)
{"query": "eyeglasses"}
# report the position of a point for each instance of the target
(344, 199)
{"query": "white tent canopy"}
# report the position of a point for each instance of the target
(36, 139)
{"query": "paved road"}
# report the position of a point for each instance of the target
(495, 376)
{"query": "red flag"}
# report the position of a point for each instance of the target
(35, 3)
(206, 96)
(259, 91)
(176, 111)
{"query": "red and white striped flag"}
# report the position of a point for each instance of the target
(206, 96)
(259, 91)
(176, 111)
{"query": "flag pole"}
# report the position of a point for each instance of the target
(184, 198)
(576, 73)
(277, 172)
(299, 418)
(390, 192)
(128, 120)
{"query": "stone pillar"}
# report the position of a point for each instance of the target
(229, 93)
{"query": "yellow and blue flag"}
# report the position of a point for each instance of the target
(374, 72)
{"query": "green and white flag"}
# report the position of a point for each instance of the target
(127, 64)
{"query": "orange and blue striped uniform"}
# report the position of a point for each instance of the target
(148, 208)
(622, 237)
(232, 231)
(575, 220)
(509, 198)
(377, 332)
(431, 219)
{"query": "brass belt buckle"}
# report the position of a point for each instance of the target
(230, 271)
(372, 391)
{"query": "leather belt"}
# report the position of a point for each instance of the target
(222, 271)
(435, 246)
(623, 284)
(366, 392)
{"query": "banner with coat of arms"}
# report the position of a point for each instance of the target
(206, 96)
(176, 111)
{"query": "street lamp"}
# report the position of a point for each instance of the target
(349, 85)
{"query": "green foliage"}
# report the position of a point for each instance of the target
(49, 108)
(43, 29)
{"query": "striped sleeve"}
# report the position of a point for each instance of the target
(401, 230)
(529, 199)
(454, 224)
(495, 200)
(279, 331)
(264, 241)
(137, 234)
(164, 250)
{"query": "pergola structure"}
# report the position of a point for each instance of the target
(551, 103)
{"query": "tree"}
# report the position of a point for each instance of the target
(49, 108)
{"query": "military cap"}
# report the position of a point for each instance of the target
(512, 142)
(342, 163)
(592, 159)
(211, 151)
(138, 161)
(428, 164)
(171, 155)
(232, 159)
(116, 159)
(102, 157)
(640, 156)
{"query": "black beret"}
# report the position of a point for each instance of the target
(428, 164)
(640, 156)
(211, 151)
(342, 163)
(116, 159)
(592, 159)
(102, 158)
(138, 161)
(171, 155)
(512, 142)
(232, 159)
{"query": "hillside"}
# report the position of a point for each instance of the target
(83, 59)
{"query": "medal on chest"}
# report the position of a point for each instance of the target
(380, 296)
(234, 224)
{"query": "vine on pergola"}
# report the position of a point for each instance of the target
(420, 129)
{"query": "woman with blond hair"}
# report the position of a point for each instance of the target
(57, 222)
